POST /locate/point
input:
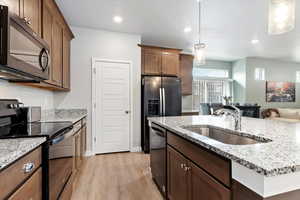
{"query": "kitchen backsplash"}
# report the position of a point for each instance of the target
(27, 95)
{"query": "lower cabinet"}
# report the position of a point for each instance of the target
(77, 151)
(32, 189)
(178, 180)
(189, 182)
(203, 186)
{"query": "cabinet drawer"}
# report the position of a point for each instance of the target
(31, 189)
(16, 174)
(215, 165)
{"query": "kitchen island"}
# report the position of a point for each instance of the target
(269, 169)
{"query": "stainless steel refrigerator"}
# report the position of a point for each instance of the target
(161, 96)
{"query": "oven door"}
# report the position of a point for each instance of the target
(61, 156)
(22, 50)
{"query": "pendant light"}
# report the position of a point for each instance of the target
(281, 16)
(199, 48)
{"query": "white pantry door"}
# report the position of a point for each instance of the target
(112, 87)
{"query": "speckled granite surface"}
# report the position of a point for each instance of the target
(281, 156)
(72, 115)
(13, 149)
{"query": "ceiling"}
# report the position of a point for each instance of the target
(228, 26)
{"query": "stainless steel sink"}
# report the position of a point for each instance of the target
(225, 136)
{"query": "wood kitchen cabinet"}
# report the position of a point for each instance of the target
(32, 14)
(186, 73)
(170, 63)
(78, 157)
(178, 181)
(21, 183)
(188, 181)
(160, 61)
(29, 10)
(151, 61)
(203, 186)
(66, 60)
(56, 32)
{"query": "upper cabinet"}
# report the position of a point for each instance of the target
(32, 14)
(45, 18)
(66, 59)
(160, 61)
(186, 73)
(29, 10)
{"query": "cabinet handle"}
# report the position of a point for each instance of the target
(28, 167)
(187, 168)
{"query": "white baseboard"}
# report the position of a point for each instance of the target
(89, 153)
(136, 149)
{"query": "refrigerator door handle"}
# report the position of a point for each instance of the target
(164, 101)
(160, 102)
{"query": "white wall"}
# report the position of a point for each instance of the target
(101, 44)
(27, 95)
(274, 71)
(239, 78)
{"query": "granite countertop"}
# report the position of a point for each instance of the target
(58, 115)
(13, 149)
(280, 156)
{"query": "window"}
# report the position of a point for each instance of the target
(212, 73)
(210, 85)
(259, 74)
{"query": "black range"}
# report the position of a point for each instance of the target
(58, 150)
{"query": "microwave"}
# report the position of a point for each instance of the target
(24, 55)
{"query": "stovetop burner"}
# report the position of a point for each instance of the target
(47, 129)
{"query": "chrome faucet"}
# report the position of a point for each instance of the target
(236, 114)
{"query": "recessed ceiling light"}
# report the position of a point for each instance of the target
(118, 19)
(255, 41)
(187, 29)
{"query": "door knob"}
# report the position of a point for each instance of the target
(127, 111)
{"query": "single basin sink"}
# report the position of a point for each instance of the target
(224, 136)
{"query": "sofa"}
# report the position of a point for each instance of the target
(282, 114)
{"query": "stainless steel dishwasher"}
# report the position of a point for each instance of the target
(158, 156)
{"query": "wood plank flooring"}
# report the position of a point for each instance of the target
(121, 176)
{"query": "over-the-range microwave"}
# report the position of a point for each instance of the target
(24, 55)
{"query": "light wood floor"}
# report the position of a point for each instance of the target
(121, 176)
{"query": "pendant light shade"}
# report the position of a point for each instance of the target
(281, 16)
(199, 51)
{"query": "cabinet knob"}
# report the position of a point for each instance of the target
(28, 167)
(182, 166)
(187, 168)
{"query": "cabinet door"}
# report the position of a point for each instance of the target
(177, 176)
(204, 187)
(57, 52)
(66, 60)
(83, 141)
(186, 74)
(32, 13)
(31, 189)
(151, 62)
(170, 63)
(78, 150)
(47, 34)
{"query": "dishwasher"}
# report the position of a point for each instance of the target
(158, 156)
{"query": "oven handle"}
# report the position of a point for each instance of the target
(62, 137)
